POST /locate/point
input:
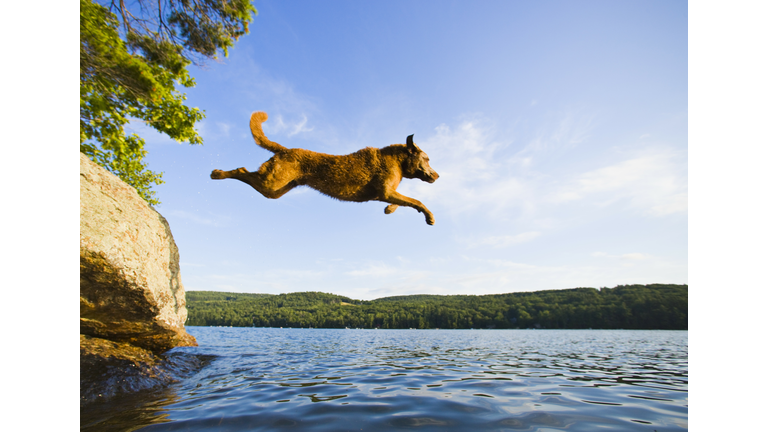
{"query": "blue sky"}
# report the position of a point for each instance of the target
(559, 129)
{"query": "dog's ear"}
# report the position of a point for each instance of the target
(411, 146)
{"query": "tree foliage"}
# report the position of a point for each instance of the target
(623, 307)
(130, 63)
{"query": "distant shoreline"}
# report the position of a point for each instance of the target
(624, 307)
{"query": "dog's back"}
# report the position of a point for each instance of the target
(350, 177)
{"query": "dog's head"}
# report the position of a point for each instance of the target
(417, 164)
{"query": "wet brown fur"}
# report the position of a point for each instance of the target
(369, 174)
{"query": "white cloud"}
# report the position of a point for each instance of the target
(483, 177)
(653, 182)
(557, 137)
(473, 172)
(492, 178)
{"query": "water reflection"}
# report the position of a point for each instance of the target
(128, 412)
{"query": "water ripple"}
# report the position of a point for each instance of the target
(275, 379)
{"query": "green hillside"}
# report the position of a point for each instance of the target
(623, 307)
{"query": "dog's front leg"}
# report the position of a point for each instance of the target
(399, 199)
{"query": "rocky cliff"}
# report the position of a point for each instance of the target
(132, 304)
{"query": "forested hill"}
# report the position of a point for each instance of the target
(623, 307)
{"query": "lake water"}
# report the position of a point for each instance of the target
(271, 379)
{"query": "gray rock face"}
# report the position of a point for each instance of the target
(130, 285)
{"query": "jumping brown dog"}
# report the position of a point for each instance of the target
(369, 174)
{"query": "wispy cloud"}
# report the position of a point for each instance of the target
(279, 125)
(473, 171)
(456, 275)
(214, 130)
(572, 129)
(653, 182)
(555, 137)
(224, 128)
(497, 177)
(289, 109)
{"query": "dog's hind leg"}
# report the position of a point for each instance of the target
(220, 175)
(268, 186)
(397, 199)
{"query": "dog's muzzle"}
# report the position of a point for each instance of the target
(431, 177)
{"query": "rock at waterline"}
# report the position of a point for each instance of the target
(130, 284)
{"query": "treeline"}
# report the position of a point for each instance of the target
(623, 307)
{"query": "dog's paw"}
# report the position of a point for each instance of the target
(217, 174)
(430, 220)
(390, 209)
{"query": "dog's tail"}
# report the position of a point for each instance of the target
(257, 119)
